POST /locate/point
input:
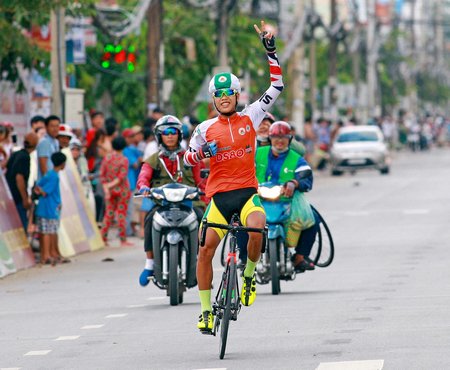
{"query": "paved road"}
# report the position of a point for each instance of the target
(383, 304)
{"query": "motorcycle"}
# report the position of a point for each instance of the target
(275, 263)
(175, 239)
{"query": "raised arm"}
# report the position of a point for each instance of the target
(257, 110)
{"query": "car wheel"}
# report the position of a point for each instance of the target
(384, 170)
(336, 172)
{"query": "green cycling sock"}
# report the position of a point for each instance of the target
(249, 268)
(205, 300)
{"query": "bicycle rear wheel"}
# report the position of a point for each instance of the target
(229, 285)
(274, 273)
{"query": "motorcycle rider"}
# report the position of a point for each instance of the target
(228, 140)
(162, 168)
(281, 165)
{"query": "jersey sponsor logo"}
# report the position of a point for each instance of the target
(266, 98)
(222, 79)
(248, 149)
(224, 148)
(232, 154)
(247, 128)
(241, 131)
(287, 170)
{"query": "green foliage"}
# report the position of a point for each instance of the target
(431, 89)
(16, 17)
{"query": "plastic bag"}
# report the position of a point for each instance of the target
(301, 218)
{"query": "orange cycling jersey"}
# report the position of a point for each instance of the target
(233, 167)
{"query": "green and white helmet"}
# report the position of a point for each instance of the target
(224, 80)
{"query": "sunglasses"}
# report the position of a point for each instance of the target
(169, 131)
(222, 92)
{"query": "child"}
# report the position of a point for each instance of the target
(48, 211)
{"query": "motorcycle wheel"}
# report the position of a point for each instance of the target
(174, 287)
(275, 274)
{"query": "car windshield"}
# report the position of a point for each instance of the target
(357, 136)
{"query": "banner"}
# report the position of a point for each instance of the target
(78, 232)
(15, 251)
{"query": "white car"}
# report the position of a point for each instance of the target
(359, 147)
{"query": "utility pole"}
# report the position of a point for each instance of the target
(371, 58)
(154, 39)
(298, 92)
(332, 66)
(312, 67)
(222, 36)
(58, 61)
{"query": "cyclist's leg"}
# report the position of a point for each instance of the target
(307, 238)
(204, 264)
(252, 215)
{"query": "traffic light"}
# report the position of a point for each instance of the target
(119, 55)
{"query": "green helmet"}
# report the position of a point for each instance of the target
(224, 80)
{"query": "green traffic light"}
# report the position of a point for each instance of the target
(131, 67)
(105, 64)
(131, 49)
(118, 49)
(109, 48)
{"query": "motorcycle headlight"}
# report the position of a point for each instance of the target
(270, 193)
(174, 195)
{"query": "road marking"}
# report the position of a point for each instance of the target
(155, 298)
(38, 353)
(93, 326)
(116, 315)
(416, 211)
(356, 213)
(68, 337)
(10, 368)
(137, 305)
(217, 368)
(352, 365)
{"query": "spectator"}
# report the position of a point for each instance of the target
(9, 141)
(98, 123)
(3, 140)
(157, 113)
(262, 133)
(151, 146)
(48, 211)
(17, 174)
(94, 155)
(113, 176)
(134, 157)
(64, 135)
(111, 129)
(139, 138)
(37, 122)
(48, 145)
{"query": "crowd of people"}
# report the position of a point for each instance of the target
(104, 155)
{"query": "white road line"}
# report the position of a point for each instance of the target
(137, 305)
(68, 337)
(352, 365)
(218, 368)
(10, 368)
(116, 315)
(357, 213)
(155, 298)
(86, 327)
(416, 211)
(38, 353)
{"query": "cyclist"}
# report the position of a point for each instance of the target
(280, 164)
(164, 167)
(228, 140)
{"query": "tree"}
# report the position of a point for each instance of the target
(17, 17)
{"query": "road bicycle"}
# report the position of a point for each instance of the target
(228, 303)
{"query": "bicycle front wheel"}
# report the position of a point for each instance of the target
(228, 289)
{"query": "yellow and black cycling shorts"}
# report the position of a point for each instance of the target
(224, 205)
